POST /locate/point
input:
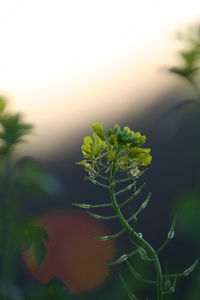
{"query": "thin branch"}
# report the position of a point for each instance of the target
(129, 187)
(101, 217)
(133, 196)
(88, 206)
(98, 183)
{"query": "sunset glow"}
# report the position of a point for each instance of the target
(62, 58)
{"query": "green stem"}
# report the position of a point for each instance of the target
(130, 230)
(163, 246)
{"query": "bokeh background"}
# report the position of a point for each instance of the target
(66, 64)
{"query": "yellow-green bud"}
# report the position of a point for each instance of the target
(98, 128)
(112, 139)
(87, 140)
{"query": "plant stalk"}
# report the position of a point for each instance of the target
(131, 231)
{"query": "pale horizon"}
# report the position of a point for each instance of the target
(66, 63)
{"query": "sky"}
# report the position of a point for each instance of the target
(65, 64)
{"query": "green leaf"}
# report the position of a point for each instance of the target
(190, 57)
(27, 244)
(97, 182)
(191, 268)
(170, 288)
(141, 251)
(133, 271)
(98, 217)
(133, 196)
(13, 129)
(137, 276)
(127, 188)
(88, 206)
(57, 290)
(35, 235)
(171, 231)
(39, 252)
(108, 237)
(144, 204)
(122, 258)
(173, 286)
(128, 291)
(184, 72)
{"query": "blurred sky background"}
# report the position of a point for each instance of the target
(65, 64)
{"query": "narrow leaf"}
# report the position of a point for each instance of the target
(119, 260)
(170, 235)
(27, 244)
(133, 271)
(144, 204)
(133, 196)
(173, 287)
(137, 276)
(122, 258)
(39, 252)
(191, 268)
(171, 231)
(129, 187)
(88, 206)
(101, 217)
(98, 183)
(108, 237)
(128, 291)
(141, 173)
(141, 251)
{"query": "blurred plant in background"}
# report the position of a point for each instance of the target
(18, 178)
(189, 69)
(188, 201)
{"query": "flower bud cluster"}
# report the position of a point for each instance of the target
(124, 146)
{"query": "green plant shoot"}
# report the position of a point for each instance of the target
(114, 159)
(16, 234)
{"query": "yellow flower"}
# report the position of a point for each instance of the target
(112, 139)
(87, 146)
(146, 160)
(141, 155)
(127, 141)
(98, 129)
(88, 140)
(127, 129)
(140, 139)
(86, 150)
(91, 148)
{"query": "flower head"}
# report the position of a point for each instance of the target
(120, 146)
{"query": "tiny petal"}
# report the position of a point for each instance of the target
(126, 128)
(87, 140)
(98, 128)
(112, 139)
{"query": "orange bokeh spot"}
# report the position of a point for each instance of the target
(73, 254)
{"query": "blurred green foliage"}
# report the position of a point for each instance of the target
(190, 57)
(187, 203)
(55, 289)
(24, 177)
(35, 235)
